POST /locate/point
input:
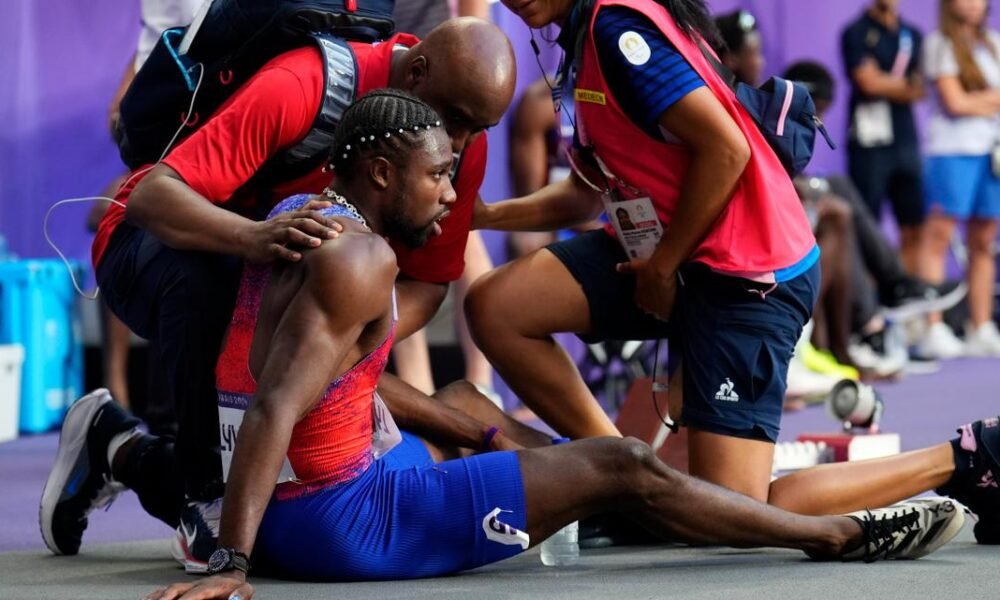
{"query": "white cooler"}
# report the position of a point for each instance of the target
(11, 359)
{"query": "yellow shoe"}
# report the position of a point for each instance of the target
(823, 362)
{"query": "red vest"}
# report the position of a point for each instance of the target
(763, 228)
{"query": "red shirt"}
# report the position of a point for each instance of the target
(273, 112)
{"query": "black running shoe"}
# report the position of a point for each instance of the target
(978, 489)
(80, 480)
(906, 531)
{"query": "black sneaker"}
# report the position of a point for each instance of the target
(80, 480)
(196, 538)
(978, 489)
(906, 531)
(910, 297)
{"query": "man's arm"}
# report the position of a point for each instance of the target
(474, 8)
(175, 201)
(427, 417)
(533, 119)
(876, 83)
(556, 206)
(869, 78)
(181, 218)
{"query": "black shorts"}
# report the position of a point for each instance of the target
(733, 343)
(895, 172)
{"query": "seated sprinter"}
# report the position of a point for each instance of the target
(305, 348)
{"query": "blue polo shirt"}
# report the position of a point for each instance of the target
(867, 38)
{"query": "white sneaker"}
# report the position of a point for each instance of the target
(805, 383)
(983, 340)
(908, 530)
(887, 364)
(940, 343)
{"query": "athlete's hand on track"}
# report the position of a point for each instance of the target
(280, 237)
(655, 288)
(230, 586)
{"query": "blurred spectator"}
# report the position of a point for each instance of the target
(962, 62)
(881, 55)
(743, 49)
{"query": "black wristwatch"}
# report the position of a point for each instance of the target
(228, 559)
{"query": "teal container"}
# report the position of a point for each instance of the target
(40, 309)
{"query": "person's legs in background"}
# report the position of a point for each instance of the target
(478, 370)
(982, 338)
(832, 312)
(412, 361)
(906, 192)
(950, 183)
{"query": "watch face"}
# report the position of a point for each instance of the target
(219, 560)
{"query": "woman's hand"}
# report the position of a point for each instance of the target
(228, 586)
(655, 287)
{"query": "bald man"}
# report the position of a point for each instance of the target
(171, 270)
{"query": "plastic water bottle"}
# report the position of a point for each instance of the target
(563, 548)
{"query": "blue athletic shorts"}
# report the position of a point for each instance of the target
(403, 518)
(962, 187)
(733, 345)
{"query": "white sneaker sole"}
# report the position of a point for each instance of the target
(949, 531)
(180, 553)
(72, 438)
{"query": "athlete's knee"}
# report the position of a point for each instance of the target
(633, 456)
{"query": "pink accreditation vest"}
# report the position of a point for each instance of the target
(762, 230)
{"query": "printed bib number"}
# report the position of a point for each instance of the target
(232, 407)
(639, 229)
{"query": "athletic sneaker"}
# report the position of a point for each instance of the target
(906, 531)
(81, 480)
(940, 343)
(910, 297)
(197, 536)
(977, 487)
(983, 341)
(805, 383)
(875, 355)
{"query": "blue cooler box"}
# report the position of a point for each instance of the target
(40, 309)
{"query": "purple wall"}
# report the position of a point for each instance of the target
(64, 58)
(62, 63)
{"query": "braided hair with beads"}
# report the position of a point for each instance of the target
(385, 122)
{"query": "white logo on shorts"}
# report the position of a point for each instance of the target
(502, 533)
(726, 392)
(635, 49)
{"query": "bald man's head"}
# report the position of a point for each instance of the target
(465, 70)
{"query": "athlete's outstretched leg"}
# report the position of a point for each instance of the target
(572, 481)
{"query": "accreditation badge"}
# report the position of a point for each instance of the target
(639, 229)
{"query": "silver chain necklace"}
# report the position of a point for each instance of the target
(332, 195)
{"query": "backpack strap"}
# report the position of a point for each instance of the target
(340, 85)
